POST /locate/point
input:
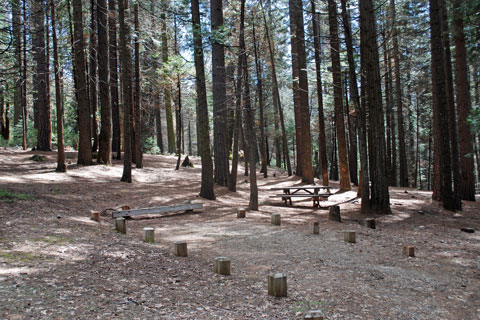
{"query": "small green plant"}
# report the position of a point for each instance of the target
(11, 196)
(20, 256)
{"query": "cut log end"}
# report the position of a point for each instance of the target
(314, 315)
(349, 236)
(316, 227)
(277, 285)
(241, 213)
(409, 251)
(95, 216)
(222, 266)
(180, 249)
(276, 219)
(149, 235)
(121, 225)
(334, 214)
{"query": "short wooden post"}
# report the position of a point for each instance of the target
(180, 249)
(277, 284)
(349, 236)
(95, 216)
(409, 251)
(121, 225)
(370, 223)
(316, 227)
(276, 219)
(222, 266)
(334, 214)
(149, 234)
(241, 213)
(314, 315)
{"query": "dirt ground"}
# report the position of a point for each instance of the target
(56, 263)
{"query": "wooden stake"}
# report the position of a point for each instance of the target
(277, 284)
(316, 227)
(241, 213)
(314, 315)
(95, 216)
(180, 249)
(334, 214)
(149, 235)
(409, 251)
(349, 236)
(121, 225)
(222, 266)
(276, 219)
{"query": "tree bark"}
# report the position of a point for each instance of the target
(17, 43)
(206, 190)
(338, 97)
(113, 60)
(138, 94)
(92, 74)
(105, 139)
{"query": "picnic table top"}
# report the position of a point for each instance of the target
(302, 188)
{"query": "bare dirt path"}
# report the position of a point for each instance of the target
(55, 263)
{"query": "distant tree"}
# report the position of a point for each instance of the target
(138, 94)
(113, 61)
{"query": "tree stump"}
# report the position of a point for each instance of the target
(121, 225)
(95, 216)
(241, 213)
(370, 223)
(187, 163)
(276, 219)
(314, 315)
(180, 249)
(316, 227)
(409, 251)
(277, 284)
(222, 266)
(149, 234)
(349, 236)
(334, 214)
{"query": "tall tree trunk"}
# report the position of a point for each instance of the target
(17, 43)
(220, 133)
(206, 190)
(40, 78)
(24, 80)
(128, 96)
(84, 148)
(232, 181)
(388, 107)
(61, 167)
(112, 53)
(398, 90)
(158, 125)
(178, 109)
(276, 97)
(138, 94)
(463, 106)
(249, 114)
(338, 97)
(394, 181)
(92, 74)
(300, 92)
(105, 139)
(258, 68)
(167, 95)
(440, 108)
(322, 144)
(380, 199)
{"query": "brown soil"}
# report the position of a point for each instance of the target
(56, 263)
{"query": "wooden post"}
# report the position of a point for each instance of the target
(95, 216)
(316, 227)
(149, 234)
(222, 266)
(121, 225)
(277, 284)
(314, 315)
(409, 251)
(276, 219)
(349, 236)
(180, 249)
(370, 223)
(241, 213)
(334, 214)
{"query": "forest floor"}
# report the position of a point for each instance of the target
(56, 263)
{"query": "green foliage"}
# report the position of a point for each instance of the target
(474, 120)
(38, 158)
(12, 196)
(150, 146)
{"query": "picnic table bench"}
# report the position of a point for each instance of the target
(313, 192)
(187, 207)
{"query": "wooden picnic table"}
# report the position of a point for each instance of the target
(303, 192)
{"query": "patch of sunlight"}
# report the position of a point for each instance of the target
(54, 249)
(17, 271)
(397, 217)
